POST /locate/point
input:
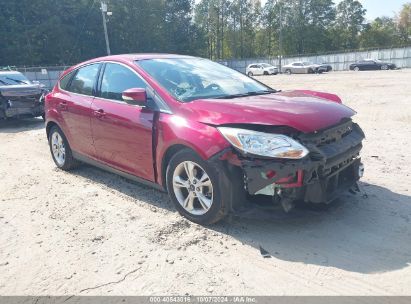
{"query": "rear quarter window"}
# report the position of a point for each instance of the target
(65, 81)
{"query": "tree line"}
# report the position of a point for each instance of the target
(40, 32)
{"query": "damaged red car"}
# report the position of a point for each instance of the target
(215, 139)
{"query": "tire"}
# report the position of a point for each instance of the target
(265, 73)
(356, 69)
(58, 143)
(311, 71)
(250, 74)
(180, 186)
(288, 72)
(384, 67)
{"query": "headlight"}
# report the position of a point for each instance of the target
(264, 144)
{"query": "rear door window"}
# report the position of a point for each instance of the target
(84, 80)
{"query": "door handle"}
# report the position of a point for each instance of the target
(99, 113)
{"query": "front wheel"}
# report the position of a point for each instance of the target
(288, 72)
(193, 186)
(250, 74)
(356, 69)
(384, 67)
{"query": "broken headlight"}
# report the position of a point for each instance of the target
(264, 144)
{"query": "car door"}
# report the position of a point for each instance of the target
(298, 68)
(122, 133)
(74, 104)
(259, 70)
(251, 68)
(367, 65)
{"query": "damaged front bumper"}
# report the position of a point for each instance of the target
(332, 166)
(21, 106)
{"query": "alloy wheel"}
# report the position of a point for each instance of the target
(58, 148)
(193, 188)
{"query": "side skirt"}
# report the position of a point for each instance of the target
(104, 167)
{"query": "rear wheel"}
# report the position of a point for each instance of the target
(60, 150)
(384, 67)
(357, 69)
(194, 189)
(250, 74)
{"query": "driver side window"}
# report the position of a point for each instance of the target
(116, 79)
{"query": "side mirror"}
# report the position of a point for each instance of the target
(135, 96)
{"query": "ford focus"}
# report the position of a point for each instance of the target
(213, 138)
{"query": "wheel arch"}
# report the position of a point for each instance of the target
(49, 125)
(168, 154)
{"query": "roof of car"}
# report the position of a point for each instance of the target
(128, 58)
(9, 72)
(142, 56)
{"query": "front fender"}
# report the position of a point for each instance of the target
(323, 95)
(174, 130)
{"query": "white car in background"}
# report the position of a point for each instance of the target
(261, 69)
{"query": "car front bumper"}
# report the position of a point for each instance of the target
(332, 166)
(26, 106)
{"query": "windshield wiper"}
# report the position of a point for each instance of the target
(264, 92)
(17, 80)
(3, 82)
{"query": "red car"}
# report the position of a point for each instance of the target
(210, 136)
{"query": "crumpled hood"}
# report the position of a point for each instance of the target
(21, 90)
(297, 109)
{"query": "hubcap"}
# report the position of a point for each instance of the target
(193, 188)
(58, 148)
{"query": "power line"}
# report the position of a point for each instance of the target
(81, 31)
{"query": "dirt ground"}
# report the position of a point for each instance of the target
(89, 232)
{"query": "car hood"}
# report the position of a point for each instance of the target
(295, 109)
(21, 90)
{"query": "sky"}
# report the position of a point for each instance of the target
(378, 8)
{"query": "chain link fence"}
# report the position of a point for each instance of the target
(47, 75)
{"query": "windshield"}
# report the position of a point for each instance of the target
(306, 63)
(188, 79)
(266, 65)
(13, 79)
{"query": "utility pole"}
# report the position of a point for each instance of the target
(280, 44)
(103, 13)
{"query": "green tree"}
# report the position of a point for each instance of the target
(348, 24)
(404, 23)
(379, 33)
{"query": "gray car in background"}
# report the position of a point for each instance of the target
(19, 97)
(303, 68)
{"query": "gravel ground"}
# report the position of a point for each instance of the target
(89, 232)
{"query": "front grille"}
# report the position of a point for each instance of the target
(335, 147)
(328, 136)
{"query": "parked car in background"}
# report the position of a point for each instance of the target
(261, 69)
(209, 135)
(303, 68)
(326, 67)
(19, 97)
(372, 65)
